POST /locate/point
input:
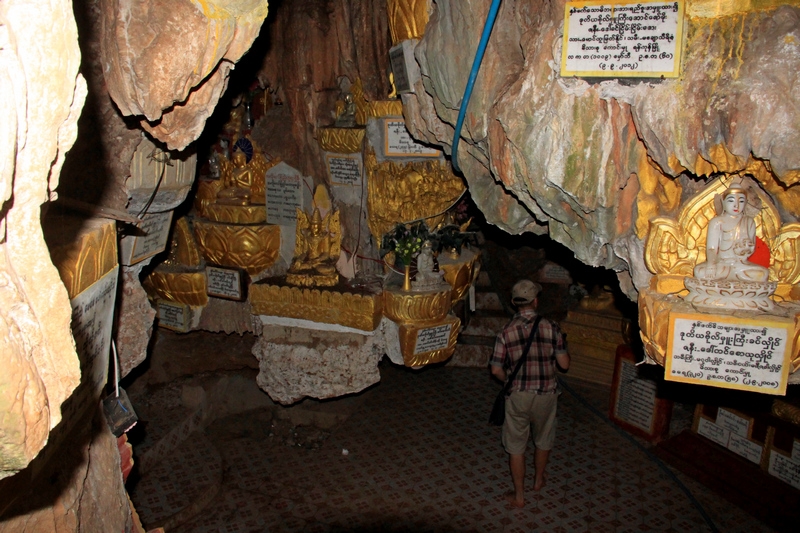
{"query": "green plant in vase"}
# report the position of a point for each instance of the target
(406, 241)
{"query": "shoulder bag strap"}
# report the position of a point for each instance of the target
(534, 331)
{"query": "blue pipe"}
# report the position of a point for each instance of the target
(476, 65)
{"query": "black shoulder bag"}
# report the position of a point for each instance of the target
(498, 415)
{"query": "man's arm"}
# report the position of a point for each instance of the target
(498, 372)
(563, 360)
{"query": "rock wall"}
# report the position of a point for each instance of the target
(590, 162)
(167, 63)
(311, 44)
(41, 95)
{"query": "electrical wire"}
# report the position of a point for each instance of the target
(476, 65)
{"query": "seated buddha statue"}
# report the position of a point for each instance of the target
(728, 279)
(317, 249)
(236, 183)
(427, 277)
(730, 242)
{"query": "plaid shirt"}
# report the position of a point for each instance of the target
(538, 374)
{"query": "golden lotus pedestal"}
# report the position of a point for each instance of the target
(663, 300)
(593, 337)
(340, 304)
(426, 331)
(251, 247)
(181, 284)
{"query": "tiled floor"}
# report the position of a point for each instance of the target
(420, 457)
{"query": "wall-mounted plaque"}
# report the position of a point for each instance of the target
(399, 143)
(174, 316)
(729, 352)
(635, 404)
(92, 323)
(626, 38)
(344, 169)
(430, 339)
(224, 283)
(284, 194)
(150, 240)
(404, 66)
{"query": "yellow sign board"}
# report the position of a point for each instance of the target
(751, 354)
(622, 39)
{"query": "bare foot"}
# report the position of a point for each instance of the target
(513, 502)
(537, 486)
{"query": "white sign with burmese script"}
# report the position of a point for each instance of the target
(151, 238)
(622, 39)
(344, 169)
(724, 351)
(174, 316)
(224, 283)
(431, 339)
(400, 143)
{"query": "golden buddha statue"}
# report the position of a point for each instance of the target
(317, 249)
(230, 226)
(242, 180)
(236, 185)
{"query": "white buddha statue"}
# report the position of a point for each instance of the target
(727, 279)
(427, 279)
(730, 242)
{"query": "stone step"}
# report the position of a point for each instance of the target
(476, 340)
(483, 281)
(488, 300)
(470, 356)
(486, 326)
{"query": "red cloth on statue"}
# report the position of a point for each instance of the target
(761, 254)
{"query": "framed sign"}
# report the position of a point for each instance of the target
(729, 352)
(635, 405)
(626, 38)
(431, 339)
(174, 316)
(344, 169)
(399, 143)
(152, 238)
(225, 283)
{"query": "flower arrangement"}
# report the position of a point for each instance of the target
(405, 240)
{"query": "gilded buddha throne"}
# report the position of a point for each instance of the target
(676, 253)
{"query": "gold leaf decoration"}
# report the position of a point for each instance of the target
(404, 192)
(253, 248)
(359, 311)
(407, 19)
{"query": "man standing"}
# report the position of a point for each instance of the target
(534, 392)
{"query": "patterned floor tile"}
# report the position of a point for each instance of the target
(422, 458)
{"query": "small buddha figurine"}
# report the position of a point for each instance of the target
(317, 250)
(348, 117)
(427, 278)
(731, 240)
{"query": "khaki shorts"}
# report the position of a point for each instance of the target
(524, 409)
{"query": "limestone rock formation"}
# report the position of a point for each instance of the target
(76, 488)
(168, 62)
(589, 161)
(296, 362)
(41, 95)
